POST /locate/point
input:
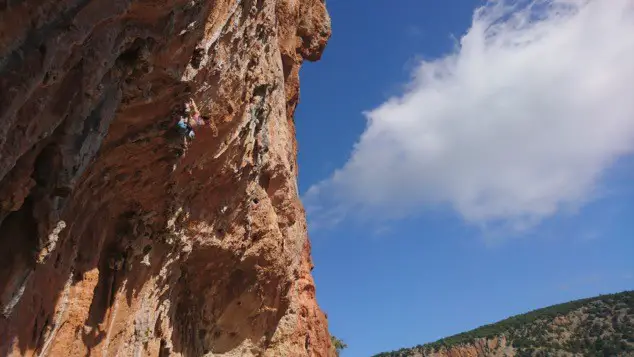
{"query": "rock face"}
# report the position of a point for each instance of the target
(117, 240)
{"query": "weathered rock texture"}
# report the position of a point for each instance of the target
(480, 347)
(111, 242)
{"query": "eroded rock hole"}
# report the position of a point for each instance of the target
(47, 166)
(130, 56)
(18, 243)
(287, 65)
(164, 351)
(197, 57)
(260, 90)
(265, 181)
(47, 78)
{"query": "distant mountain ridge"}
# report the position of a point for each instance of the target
(598, 326)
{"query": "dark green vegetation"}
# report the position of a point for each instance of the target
(599, 326)
(338, 345)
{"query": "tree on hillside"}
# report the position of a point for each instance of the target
(338, 345)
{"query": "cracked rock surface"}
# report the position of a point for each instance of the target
(116, 238)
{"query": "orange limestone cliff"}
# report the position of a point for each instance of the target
(116, 237)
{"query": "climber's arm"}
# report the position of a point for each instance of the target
(195, 107)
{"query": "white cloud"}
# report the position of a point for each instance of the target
(518, 124)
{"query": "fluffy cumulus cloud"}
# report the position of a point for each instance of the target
(518, 124)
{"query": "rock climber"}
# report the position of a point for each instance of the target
(184, 128)
(190, 120)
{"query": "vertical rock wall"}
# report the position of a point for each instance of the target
(116, 240)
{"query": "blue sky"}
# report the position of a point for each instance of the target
(495, 181)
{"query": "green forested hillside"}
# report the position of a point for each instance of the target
(599, 326)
